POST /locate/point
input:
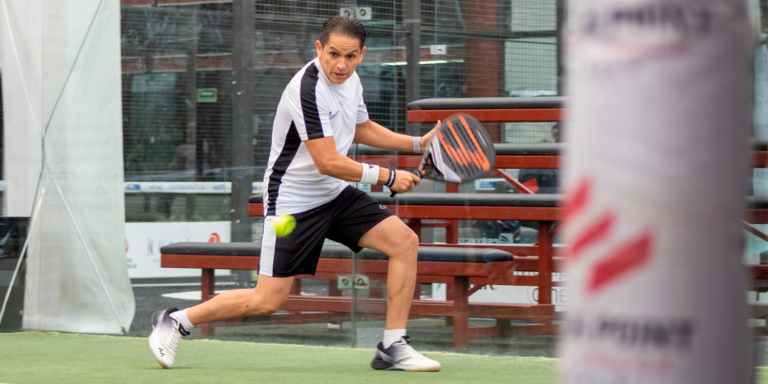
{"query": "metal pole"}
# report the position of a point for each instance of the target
(242, 118)
(560, 17)
(191, 145)
(412, 49)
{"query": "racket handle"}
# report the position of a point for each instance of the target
(417, 173)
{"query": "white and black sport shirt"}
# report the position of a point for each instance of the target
(311, 108)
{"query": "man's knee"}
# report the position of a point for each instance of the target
(407, 243)
(263, 304)
(269, 309)
(264, 308)
(412, 241)
(392, 237)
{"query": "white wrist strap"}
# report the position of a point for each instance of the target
(370, 174)
(416, 144)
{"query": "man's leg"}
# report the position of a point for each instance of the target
(170, 325)
(291, 255)
(396, 240)
(270, 293)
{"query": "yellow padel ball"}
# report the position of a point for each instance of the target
(283, 224)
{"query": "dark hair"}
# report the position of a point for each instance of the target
(345, 26)
(559, 127)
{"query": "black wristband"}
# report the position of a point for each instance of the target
(391, 180)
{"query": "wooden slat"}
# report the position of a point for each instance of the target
(756, 216)
(527, 162)
(760, 159)
(420, 307)
(208, 261)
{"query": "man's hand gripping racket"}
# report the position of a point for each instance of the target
(460, 150)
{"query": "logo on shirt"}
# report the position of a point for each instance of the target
(333, 114)
(381, 206)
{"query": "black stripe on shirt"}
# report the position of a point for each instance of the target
(309, 103)
(291, 146)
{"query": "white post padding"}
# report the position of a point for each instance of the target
(62, 71)
(657, 170)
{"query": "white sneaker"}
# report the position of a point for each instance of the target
(400, 356)
(165, 337)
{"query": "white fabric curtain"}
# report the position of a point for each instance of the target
(62, 103)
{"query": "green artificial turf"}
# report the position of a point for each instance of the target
(49, 357)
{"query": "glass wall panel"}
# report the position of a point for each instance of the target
(178, 124)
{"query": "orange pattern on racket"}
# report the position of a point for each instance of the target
(461, 155)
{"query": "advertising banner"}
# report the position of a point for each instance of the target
(144, 240)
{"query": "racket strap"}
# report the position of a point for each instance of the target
(391, 180)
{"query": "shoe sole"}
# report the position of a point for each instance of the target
(382, 365)
(159, 361)
(423, 369)
(151, 348)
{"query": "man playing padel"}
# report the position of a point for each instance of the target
(320, 114)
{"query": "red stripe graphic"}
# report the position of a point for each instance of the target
(626, 259)
(577, 199)
(479, 154)
(592, 235)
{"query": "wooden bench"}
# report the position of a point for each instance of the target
(465, 269)
(515, 110)
(540, 257)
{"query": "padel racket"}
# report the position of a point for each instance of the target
(461, 150)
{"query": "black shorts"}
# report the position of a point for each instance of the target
(344, 219)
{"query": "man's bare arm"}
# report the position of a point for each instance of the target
(374, 135)
(331, 163)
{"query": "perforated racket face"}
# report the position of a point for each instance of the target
(461, 150)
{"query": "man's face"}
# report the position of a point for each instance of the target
(339, 57)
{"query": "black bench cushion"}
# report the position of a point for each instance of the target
(502, 149)
(462, 199)
(759, 145)
(487, 103)
(757, 202)
(226, 249)
(443, 254)
(542, 149)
